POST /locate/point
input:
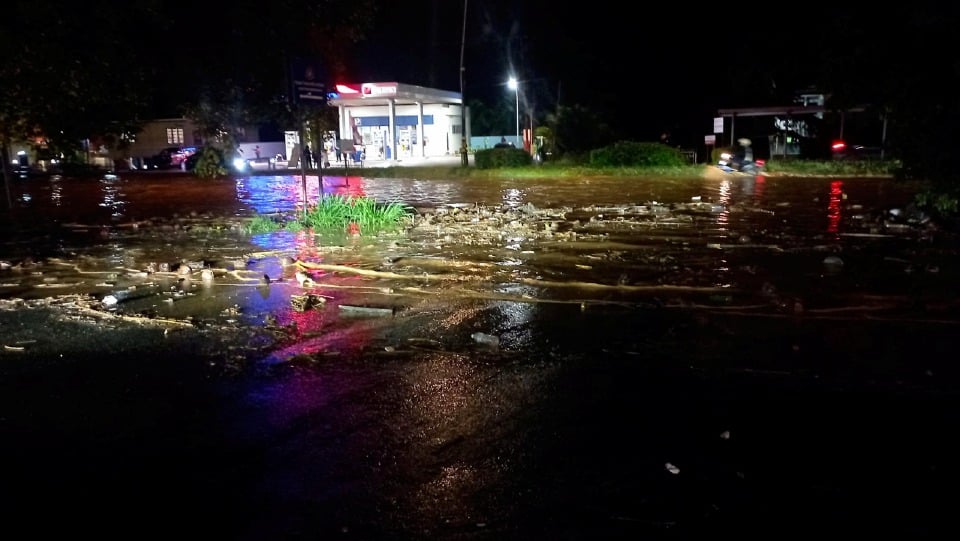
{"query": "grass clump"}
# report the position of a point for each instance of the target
(262, 224)
(336, 213)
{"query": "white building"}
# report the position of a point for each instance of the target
(393, 121)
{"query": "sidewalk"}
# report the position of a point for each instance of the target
(438, 161)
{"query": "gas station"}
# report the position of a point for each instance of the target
(392, 121)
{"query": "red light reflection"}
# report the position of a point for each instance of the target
(345, 186)
(833, 208)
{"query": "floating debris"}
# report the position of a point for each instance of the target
(304, 279)
(365, 310)
(302, 303)
(128, 294)
(486, 339)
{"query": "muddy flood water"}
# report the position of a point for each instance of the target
(577, 358)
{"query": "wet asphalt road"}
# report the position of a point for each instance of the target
(645, 421)
(667, 442)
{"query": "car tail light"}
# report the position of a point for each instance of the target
(837, 146)
(761, 162)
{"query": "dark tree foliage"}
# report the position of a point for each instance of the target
(69, 71)
(98, 69)
(237, 67)
(578, 130)
(903, 61)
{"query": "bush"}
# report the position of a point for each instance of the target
(637, 154)
(493, 158)
(210, 163)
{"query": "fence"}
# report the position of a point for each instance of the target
(488, 141)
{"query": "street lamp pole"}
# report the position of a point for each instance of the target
(464, 159)
(513, 84)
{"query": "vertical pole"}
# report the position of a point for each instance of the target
(463, 101)
(6, 173)
(883, 137)
(516, 92)
(303, 162)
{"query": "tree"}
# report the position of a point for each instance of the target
(242, 77)
(69, 73)
(893, 59)
(577, 129)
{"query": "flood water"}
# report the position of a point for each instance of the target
(674, 358)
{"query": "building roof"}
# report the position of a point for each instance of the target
(382, 93)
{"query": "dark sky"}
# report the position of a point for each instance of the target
(656, 67)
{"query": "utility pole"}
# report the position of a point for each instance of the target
(8, 175)
(464, 160)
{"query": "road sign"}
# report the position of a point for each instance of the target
(718, 124)
(307, 82)
(709, 139)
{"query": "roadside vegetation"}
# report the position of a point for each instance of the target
(640, 159)
(622, 159)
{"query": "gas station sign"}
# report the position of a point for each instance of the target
(376, 90)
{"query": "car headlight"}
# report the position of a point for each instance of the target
(725, 156)
(239, 164)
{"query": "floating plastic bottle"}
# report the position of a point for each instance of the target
(485, 339)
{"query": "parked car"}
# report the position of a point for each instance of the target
(169, 158)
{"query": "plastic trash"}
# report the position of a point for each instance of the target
(351, 310)
(122, 295)
(485, 339)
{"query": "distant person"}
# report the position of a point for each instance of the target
(744, 152)
(307, 158)
(256, 151)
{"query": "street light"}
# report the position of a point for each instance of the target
(514, 85)
(463, 102)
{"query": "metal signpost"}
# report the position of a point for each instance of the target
(307, 89)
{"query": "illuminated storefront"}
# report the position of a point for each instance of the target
(393, 121)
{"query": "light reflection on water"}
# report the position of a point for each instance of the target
(797, 205)
(112, 198)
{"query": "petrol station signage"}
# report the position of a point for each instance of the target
(307, 82)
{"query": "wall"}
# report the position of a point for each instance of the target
(268, 149)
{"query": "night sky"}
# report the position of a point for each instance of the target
(655, 68)
(650, 67)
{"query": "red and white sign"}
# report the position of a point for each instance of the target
(376, 90)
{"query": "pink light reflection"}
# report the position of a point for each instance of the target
(345, 186)
(833, 208)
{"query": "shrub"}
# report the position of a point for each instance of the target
(637, 154)
(211, 163)
(492, 158)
